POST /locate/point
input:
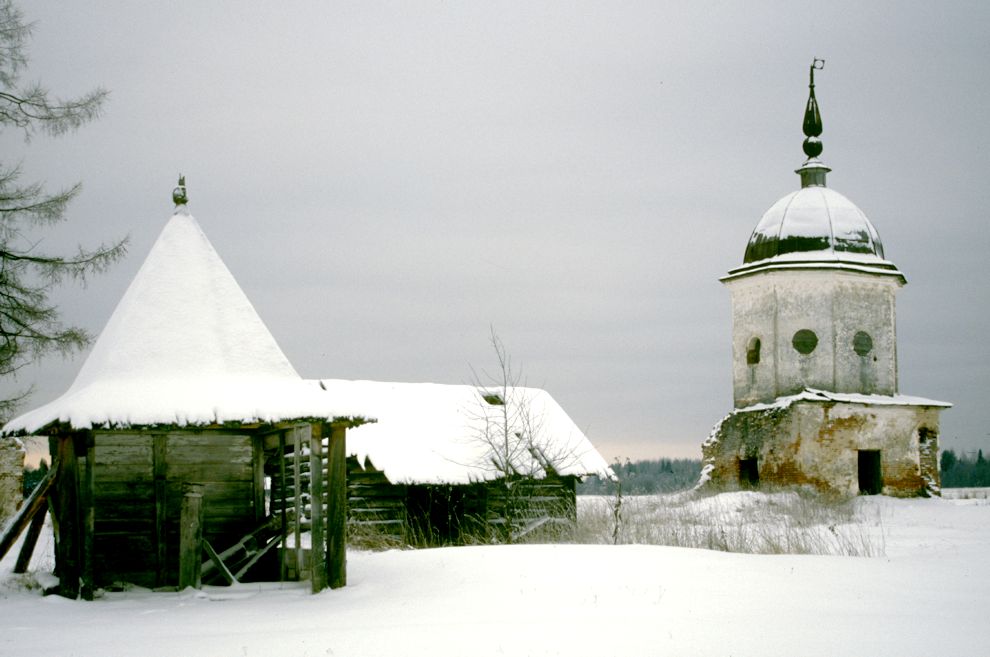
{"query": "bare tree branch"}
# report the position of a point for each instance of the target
(517, 446)
(30, 326)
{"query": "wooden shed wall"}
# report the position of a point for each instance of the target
(438, 514)
(138, 489)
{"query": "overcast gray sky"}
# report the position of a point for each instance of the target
(388, 180)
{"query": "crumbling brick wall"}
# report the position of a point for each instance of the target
(11, 476)
(928, 457)
(817, 443)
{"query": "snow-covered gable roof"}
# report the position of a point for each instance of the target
(433, 433)
(184, 347)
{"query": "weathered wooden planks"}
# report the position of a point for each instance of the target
(137, 491)
(437, 514)
(336, 555)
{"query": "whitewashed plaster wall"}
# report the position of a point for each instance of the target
(835, 304)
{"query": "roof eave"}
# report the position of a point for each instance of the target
(877, 269)
(251, 424)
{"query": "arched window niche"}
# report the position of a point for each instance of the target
(753, 351)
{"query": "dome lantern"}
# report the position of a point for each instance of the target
(814, 226)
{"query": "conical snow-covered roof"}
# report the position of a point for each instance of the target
(184, 346)
(184, 314)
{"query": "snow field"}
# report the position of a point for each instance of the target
(926, 596)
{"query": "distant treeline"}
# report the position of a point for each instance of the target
(33, 476)
(669, 475)
(960, 471)
(645, 477)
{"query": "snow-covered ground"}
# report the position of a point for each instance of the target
(929, 595)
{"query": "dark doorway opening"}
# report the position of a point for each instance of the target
(870, 476)
(749, 473)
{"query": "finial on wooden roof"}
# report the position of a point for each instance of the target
(179, 196)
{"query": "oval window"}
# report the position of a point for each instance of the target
(805, 341)
(862, 343)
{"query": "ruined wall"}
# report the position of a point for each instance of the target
(818, 443)
(11, 476)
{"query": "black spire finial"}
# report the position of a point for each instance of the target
(812, 117)
(179, 193)
(813, 172)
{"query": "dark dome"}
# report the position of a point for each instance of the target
(814, 223)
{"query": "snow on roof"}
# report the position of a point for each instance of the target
(811, 394)
(810, 219)
(433, 433)
(184, 346)
(819, 260)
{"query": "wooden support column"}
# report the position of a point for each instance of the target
(159, 466)
(191, 536)
(53, 513)
(68, 546)
(317, 543)
(337, 508)
(87, 494)
(282, 511)
(297, 494)
(258, 462)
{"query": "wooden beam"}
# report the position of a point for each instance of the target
(31, 538)
(35, 501)
(191, 536)
(317, 558)
(218, 562)
(87, 494)
(283, 511)
(258, 457)
(257, 555)
(337, 508)
(159, 466)
(67, 551)
(297, 486)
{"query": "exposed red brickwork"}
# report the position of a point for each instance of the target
(818, 444)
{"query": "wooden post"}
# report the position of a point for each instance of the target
(297, 490)
(67, 494)
(318, 567)
(258, 464)
(87, 494)
(159, 466)
(31, 538)
(191, 536)
(283, 513)
(337, 508)
(53, 512)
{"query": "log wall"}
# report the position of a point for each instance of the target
(525, 508)
(138, 480)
